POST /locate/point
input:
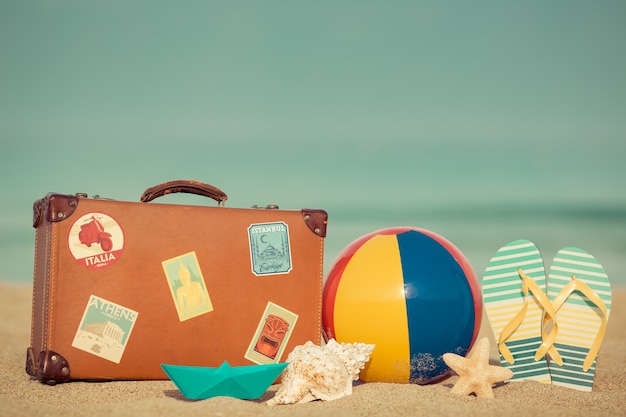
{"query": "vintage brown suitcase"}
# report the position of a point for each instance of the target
(122, 287)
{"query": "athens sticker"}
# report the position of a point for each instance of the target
(96, 240)
(272, 334)
(105, 329)
(187, 286)
(270, 252)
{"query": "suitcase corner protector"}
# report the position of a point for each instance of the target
(316, 220)
(51, 368)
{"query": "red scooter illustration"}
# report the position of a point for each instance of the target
(93, 232)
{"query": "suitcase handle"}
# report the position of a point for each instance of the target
(184, 186)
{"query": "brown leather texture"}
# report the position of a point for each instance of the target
(261, 269)
(184, 186)
(56, 207)
(52, 368)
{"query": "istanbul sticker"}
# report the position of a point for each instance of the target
(270, 252)
(272, 334)
(104, 329)
(96, 240)
(187, 286)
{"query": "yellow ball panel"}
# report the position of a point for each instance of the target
(370, 308)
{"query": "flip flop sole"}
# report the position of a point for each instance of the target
(579, 318)
(504, 299)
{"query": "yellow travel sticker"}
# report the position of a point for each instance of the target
(187, 286)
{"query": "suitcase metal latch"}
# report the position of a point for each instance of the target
(268, 207)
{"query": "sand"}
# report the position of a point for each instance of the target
(21, 396)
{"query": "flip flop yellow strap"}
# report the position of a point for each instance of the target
(556, 305)
(578, 285)
(527, 284)
(547, 338)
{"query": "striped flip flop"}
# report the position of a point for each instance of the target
(513, 292)
(580, 292)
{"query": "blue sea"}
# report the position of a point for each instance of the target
(477, 196)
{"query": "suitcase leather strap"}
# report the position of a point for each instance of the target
(184, 186)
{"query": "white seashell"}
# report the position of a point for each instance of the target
(321, 372)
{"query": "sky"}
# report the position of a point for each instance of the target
(277, 71)
(313, 104)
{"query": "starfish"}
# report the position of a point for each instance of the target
(476, 375)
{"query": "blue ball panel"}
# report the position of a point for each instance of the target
(439, 305)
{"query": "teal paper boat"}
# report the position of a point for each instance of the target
(244, 382)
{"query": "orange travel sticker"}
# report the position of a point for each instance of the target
(272, 334)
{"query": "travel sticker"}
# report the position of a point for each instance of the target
(105, 329)
(272, 334)
(96, 240)
(270, 252)
(187, 286)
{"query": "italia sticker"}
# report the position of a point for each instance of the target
(96, 240)
(270, 251)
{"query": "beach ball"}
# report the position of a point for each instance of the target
(410, 292)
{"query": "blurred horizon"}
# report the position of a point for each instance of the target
(485, 122)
